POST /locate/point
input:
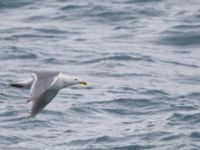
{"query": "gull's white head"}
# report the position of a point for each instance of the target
(69, 81)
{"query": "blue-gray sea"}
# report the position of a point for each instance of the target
(141, 59)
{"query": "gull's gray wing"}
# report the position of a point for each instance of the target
(42, 101)
(42, 82)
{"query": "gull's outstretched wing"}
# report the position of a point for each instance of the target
(42, 82)
(41, 92)
(42, 101)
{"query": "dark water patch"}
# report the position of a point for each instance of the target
(185, 118)
(189, 18)
(50, 31)
(37, 18)
(70, 131)
(55, 31)
(103, 139)
(115, 16)
(188, 79)
(13, 119)
(192, 95)
(33, 123)
(42, 136)
(9, 113)
(119, 57)
(103, 14)
(6, 4)
(34, 36)
(85, 111)
(4, 95)
(119, 111)
(115, 58)
(180, 64)
(187, 27)
(127, 106)
(10, 139)
(53, 60)
(119, 75)
(58, 60)
(150, 12)
(121, 91)
(127, 102)
(195, 135)
(52, 113)
(80, 39)
(124, 147)
(72, 7)
(13, 52)
(136, 102)
(181, 39)
(168, 105)
(143, 1)
(13, 147)
(81, 142)
(154, 92)
(192, 80)
(133, 147)
(172, 137)
(15, 30)
(153, 136)
(122, 27)
(186, 107)
(129, 89)
(182, 51)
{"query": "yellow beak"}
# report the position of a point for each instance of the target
(83, 82)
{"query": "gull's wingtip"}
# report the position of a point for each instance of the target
(18, 85)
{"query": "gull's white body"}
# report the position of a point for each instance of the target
(44, 86)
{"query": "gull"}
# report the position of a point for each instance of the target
(44, 86)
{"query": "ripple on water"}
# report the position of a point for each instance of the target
(118, 58)
(172, 137)
(184, 118)
(72, 7)
(36, 18)
(13, 4)
(176, 63)
(7, 140)
(130, 102)
(84, 112)
(181, 39)
(154, 92)
(126, 106)
(143, 1)
(13, 52)
(181, 35)
(103, 14)
(125, 147)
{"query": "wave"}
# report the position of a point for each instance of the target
(178, 118)
(13, 52)
(119, 57)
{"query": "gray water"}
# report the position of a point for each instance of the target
(141, 59)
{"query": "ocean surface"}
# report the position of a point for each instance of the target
(141, 59)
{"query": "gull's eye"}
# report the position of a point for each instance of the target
(76, 79)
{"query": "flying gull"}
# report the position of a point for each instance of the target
(44, 86)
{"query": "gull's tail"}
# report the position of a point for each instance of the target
(23, 84)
